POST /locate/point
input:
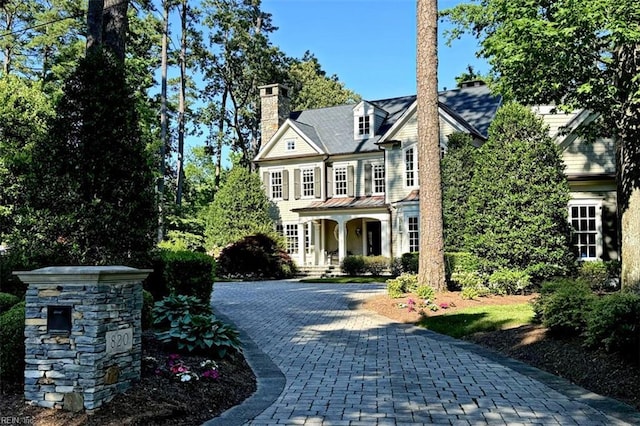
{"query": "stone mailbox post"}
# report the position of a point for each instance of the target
(82, 334)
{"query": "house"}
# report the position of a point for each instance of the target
(345, 178)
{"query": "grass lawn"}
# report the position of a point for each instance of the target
(347, 280)
(483, 318)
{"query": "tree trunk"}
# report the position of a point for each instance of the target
(431, 260)
(94, 24)
(181, 105)
(628, 164)
(220, 139)
(114, 26)
(163, 118)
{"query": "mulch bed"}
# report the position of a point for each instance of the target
(157, 399)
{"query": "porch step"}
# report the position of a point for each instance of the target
(319, 271)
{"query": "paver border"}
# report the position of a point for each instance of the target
(270, 383)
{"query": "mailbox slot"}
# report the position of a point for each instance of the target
(59, 319)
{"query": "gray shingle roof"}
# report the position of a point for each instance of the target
(332, 128)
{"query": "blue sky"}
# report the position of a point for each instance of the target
(369, 44)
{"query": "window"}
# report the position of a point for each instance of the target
(378, 178)
(340, 181)
(291, 234)
(410, 167)
(291, 145)
(413, 232)
(276, 185)
(308, 183)
(364, 127)
(585, 221)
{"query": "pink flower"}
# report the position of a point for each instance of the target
(444, 305)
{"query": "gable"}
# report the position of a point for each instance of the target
(289, 141)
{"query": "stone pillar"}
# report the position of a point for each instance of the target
(83, 336)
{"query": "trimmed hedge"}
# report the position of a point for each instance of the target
(358, 265)
(12, 343)
(181, 272)
(7, 301)
(614, 324)
(256, 257)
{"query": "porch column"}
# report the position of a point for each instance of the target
(385, 237)
(301, 249)
(318, 256)
(342, 240)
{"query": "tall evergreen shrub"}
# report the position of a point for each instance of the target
(517, 210)
(90, 196)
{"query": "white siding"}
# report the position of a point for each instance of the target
(584, 158)
(279, 149)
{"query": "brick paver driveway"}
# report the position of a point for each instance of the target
(340, 366)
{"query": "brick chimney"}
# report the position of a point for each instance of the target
(275, 108)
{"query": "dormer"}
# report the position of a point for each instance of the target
(367, 119)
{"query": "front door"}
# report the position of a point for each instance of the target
(374, 246)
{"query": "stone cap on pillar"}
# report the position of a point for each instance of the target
(82, 275)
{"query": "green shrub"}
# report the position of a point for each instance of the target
(353, 265)
(395, 289)
(460, 262)
(467, 279)
(201, 333)
(595, 273)
(171, 308)
(376, 265)
(396, 266)
(405, 283)
(541, 272)
(182, 272)
(256, 257)
(410, 262)
(564, 305)
(12, 343)
(425, 292)
(470, 293)
(7, 301)
(147, 310)
(509, 281)
(614, 324)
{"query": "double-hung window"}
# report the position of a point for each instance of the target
(585, 220)
(291, 235)
(378, 178)
(340, 180)
(410, 167)
(276, 185)
(308, 183)
(413, 232)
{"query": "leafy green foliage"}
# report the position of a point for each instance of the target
(256, 256)
(7, 301)
(98, 204)
(457, 168)
(614, 324)
(595, 273)
(147, 310)
(240, 209)
(190, 326)
(168, 311)
(12, 342)
(517, 210)
(376, 265)
(410, 262)
(311, 87)
(405, 283)
(24, 114)
(564, 306)
(189, 273)
(353, 265)
(425, 292)
(508, 281)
